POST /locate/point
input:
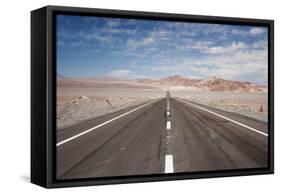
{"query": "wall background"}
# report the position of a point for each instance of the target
(15, 94)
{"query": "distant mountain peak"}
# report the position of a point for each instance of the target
(175, 76)
(212, 78)
(212, 83)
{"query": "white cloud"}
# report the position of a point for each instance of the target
(153, 38)
(239, 32)
(260, 45)
(257, 31)
(252, 32)
(133, 44)
(123, 74)
(228, 62)
(214, 28)
(113, 22)
(94, 36)
(180, 48)
(209, 47)
(225, 49)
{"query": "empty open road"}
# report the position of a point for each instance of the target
(162, 136)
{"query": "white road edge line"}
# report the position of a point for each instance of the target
(233, 121)
(168, 125)
(169, 164)
(102, 124)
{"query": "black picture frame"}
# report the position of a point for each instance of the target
(43, 95)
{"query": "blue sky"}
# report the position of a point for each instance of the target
(130, 49)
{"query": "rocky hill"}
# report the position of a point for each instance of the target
(209, 84)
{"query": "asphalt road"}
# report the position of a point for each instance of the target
(162, 136)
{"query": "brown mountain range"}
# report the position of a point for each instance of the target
(172, 82)
(211, 84)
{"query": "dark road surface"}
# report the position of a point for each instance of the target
(139, 141)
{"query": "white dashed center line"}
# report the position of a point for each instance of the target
(169, 164)
(168, 125)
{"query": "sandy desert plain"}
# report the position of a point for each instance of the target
(80, 99)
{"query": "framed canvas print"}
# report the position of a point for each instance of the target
(126, 96)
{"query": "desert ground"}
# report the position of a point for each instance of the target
(249, 104)
(79, 100)
(82, 99)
